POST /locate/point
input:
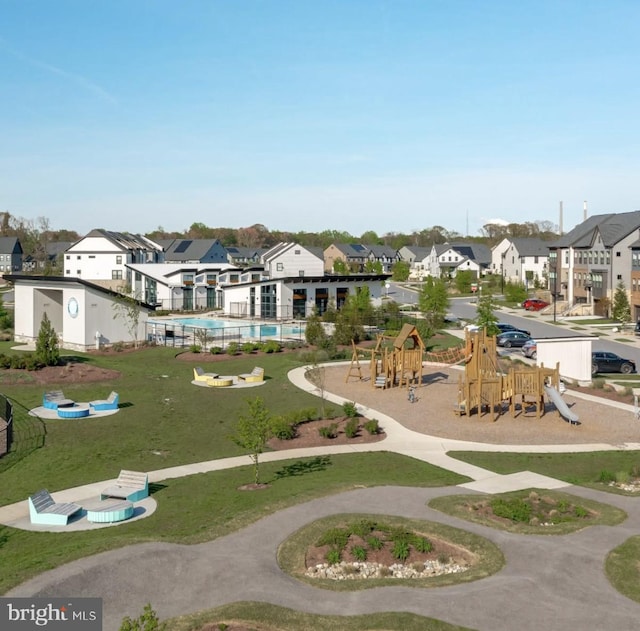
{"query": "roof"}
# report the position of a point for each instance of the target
(612, 228)
(477, 252)
(70, 280)
(419, 253)
(386, 251)
(193, 249)
(10, 244)
(352, 250)
(162, 272)
(124, 240)
(531, 246)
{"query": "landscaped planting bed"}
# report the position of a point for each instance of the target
(530, 511)
(357, 551)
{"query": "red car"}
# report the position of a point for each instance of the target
(534, 304)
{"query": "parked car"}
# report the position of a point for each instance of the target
(512, 338)
(504, 327)
(602, 361)
(534, 304)
(637, 328)
(530, 349)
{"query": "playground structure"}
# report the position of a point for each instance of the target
(400, 365)
(484, 388)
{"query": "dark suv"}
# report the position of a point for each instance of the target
(610, 362)
(504, 326)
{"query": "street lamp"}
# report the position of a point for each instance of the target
(555, 293)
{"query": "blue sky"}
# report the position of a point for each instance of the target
(350, 115)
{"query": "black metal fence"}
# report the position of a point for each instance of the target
(6, 433)
(172, 333)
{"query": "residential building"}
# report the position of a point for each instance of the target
(447, 259)
(587, 263)
(385, 255)
(10, 255)
(291, 259)
(239, 256)
(418, 259)
(525, 261)
(102, 256)
(353, 255)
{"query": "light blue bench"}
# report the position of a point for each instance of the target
(110, 403)
(44, 510)
(130, 485)
(55, 399)
(110, 511)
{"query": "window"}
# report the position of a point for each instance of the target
(92, 256)
(234, 278)
(619, 277)
(301, 272)
(116, 274)
(67, 272)
(279, 267)
(78, 272)
(187, 279)
(618, 253)
(68, 257)
(119, 260)
(296, 251)
(535, 259)
(78, 257)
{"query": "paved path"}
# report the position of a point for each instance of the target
(549, 582)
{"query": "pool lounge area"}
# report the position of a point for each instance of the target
(184, 331)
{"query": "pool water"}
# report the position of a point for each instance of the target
(247, 330)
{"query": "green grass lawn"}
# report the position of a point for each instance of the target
(205, 506)
(583, 469)
(164, 420)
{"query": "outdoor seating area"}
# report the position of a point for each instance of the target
(130, 485)
(55, 399)
(44, 510)
(200, 375)
(110, 403)
(257, 374)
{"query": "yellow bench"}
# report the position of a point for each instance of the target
(257, 374)
(220, 382)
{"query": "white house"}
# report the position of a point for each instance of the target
(102, 255)
(83, 314)
(291, 259)
(447, 259)
(418, 259)
(526, 261)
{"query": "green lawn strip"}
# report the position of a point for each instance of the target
(164, 420)
(291, 555)
(266, 616)
(206, 506)
(467, 507)
(582, 469)
(621, 568)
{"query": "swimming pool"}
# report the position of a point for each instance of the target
(231, 328)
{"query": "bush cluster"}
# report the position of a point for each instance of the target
(20, 362)
(328, 431)
(514, 509)
(351, 428)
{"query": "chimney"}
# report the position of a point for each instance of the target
(560, 223)
(584, 206)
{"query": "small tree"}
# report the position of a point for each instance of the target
(127, 307)
(253, 432)
(147, 621)
(463, 280)
(485, 316)
(316, 375)
(621, 308)
(434, 302)
(47, 351)
(515, 292)
(314, 332)
(400, 271)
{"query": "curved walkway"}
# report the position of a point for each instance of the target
(549, 582)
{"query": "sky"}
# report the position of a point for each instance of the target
(349, 115)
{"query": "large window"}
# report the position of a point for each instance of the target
(268, 308)
(299, 303)
(116, 274)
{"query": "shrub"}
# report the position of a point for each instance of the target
(336, 537)
(328, 431)
(359, 553)
(232, 348)
(18, 362)
(350, 409)
(606, 477)
(443, 559)
(215, 350)
(514, 509)
(375, 543)
(5, 361)
(271, 346)
(422, 544)
(351, 428)
(195, 348)
(622, 477)
(372, 426)
(47, 350)
(249, 347)
(333, 556)
(580, 512)
(400, 550)
(363, 527)
(283, 428)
